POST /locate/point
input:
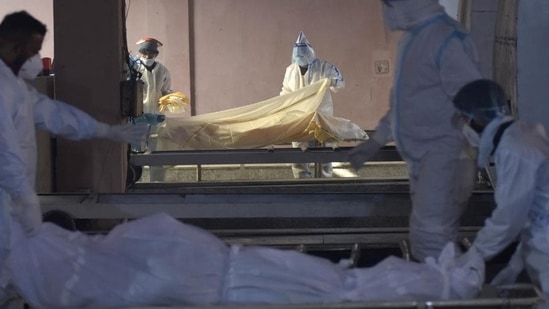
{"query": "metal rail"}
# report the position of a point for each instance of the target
(510, 296)
(250, 206)
(256, 156)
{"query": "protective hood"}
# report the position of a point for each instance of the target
(486, 145)
(406, 14)
(149, 45)
(303, 53)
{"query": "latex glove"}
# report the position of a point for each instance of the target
(468, 275)
(126, 133)
(363, 152)
(471, 254)
(27, 211)
(151, 119)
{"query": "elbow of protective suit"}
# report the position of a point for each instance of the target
(336, 84)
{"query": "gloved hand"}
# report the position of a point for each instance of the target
(363, 152)
(126, 133)
(470, 255)
(468, 275)
(150, 119)
(27, 211)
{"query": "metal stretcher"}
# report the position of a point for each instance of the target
(363, 227)
(255, 156)
(363, 221)
(517, 296)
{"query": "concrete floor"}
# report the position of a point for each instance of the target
(180, 173)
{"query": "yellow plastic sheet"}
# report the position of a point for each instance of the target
(175, 102)
(288, 118)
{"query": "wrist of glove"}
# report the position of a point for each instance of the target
(363, 152)
(468, 275)
(125, 133)
(28, 212)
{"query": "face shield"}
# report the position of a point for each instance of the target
(302, 55)
(481, 101)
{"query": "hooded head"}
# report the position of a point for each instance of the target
(406, 14)
(21, 37)
(481, 101)
(303, 53)
(148, 48)
(477, 104)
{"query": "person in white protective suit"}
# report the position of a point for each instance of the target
(160, 261)
(304, 70)
(24, 110)
(157, 83)
(520, 153)
(435, 58)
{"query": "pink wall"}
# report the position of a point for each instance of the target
(235, 51)
(41, 10)
(228, 53)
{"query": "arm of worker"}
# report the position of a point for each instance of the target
(337, 82)
(514, 196)
(14, 170)
(166, 84)
(72, 123)
(459, 64)
(288, 83)
(367, 149)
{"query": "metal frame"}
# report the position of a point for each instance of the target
(256, 156)
(503, 299)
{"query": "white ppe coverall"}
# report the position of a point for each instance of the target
(317, 69)
(436, 57)
(160, 261)
(24, 110)
(522, 199)
(157, 83)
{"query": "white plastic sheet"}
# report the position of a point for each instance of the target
(159, 261)
(292, 117)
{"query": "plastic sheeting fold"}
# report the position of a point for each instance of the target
(292, 117)
(159, 261)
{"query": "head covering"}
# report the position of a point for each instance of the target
(303, 52)
(482, 100)
(148, 45)
(406, 14)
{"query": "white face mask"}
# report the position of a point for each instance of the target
(472, 137)
(148, 62)
(31, 68)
